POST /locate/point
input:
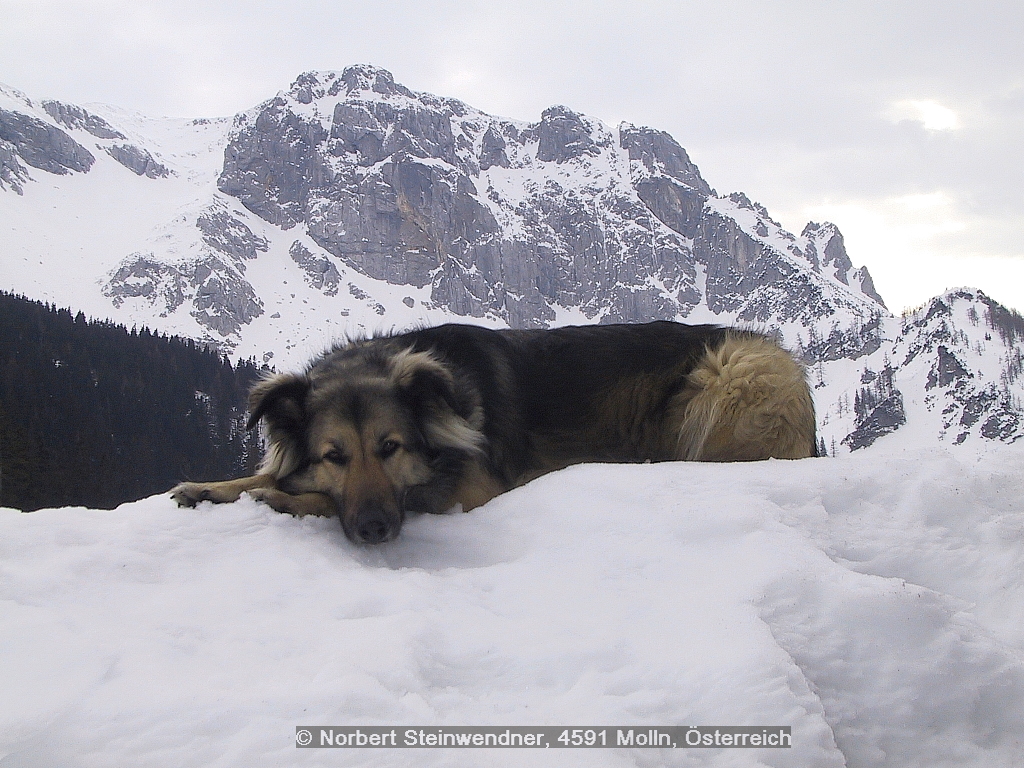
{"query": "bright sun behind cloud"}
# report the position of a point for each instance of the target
(932, 115)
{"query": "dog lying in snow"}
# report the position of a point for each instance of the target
(457, 414)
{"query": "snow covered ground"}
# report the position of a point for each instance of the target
(873, 602)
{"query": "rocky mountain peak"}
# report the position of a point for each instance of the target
(826, 250)
(659, 154)
(354, 80)
(827, 244)
(514, 222)
(954, 367)
(563, 134)
(366, 77)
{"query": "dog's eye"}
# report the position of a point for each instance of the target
(388, 448)
(336, 457)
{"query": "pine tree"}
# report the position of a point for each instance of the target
(95, 415)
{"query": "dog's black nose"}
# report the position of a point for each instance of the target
(373, 525)
(373, 531)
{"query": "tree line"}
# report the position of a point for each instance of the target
(93, 414)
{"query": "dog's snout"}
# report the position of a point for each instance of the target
(375, 526)
(373, 531)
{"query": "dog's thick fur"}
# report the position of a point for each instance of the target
(426, 420)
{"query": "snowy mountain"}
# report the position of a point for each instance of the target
(949, 370)
(349, 203)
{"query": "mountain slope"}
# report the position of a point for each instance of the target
(352, 176)
(349, 204)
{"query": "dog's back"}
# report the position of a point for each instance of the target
(654, 392)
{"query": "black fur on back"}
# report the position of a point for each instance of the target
(543, 391)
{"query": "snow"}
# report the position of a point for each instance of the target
(872, 602)
(67, 231)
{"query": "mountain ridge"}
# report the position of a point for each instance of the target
(350, 204)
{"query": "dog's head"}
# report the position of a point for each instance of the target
(381, 432)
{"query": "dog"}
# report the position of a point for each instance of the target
(431, 419)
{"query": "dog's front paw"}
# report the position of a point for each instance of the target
(277, 500)
(299, 505)
(190, 494)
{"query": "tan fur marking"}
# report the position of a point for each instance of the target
(452, 431)
(278, 461)
(366, 481)
(455, 432)
(747, 400)
(477, 487)
(260, 487)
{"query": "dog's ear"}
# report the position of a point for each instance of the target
(446, 419)
(423, 379)
(281, 399)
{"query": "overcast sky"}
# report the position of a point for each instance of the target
(902, 122)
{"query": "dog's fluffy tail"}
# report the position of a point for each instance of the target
(748, 399)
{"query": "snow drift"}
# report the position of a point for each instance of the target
(873, 602)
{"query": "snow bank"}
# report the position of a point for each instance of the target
(873, 602)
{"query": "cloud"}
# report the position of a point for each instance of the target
(932, 115)
(869, 106)
(919, 245)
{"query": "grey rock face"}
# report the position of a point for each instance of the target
(827, 249)
(833, 251)
(230, 236)
(672, 186)
(401, 186)
(884, 418)
(13, 174)
(659, 153)
(72, 116)
(844, 343)
(272, 164)
(320, 272)
(365, 77)
(1004, 424)
(862, 280)
(492, 150)
(754, 280)
(138, 161)
(401, 223)
(999, 416)
(214, 283)
(42, 145)
(563, 135)
(947, 370)
(142, 276)
(950, 339)
(879, 409)
(223, 301)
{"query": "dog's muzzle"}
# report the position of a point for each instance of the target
(373, 524)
